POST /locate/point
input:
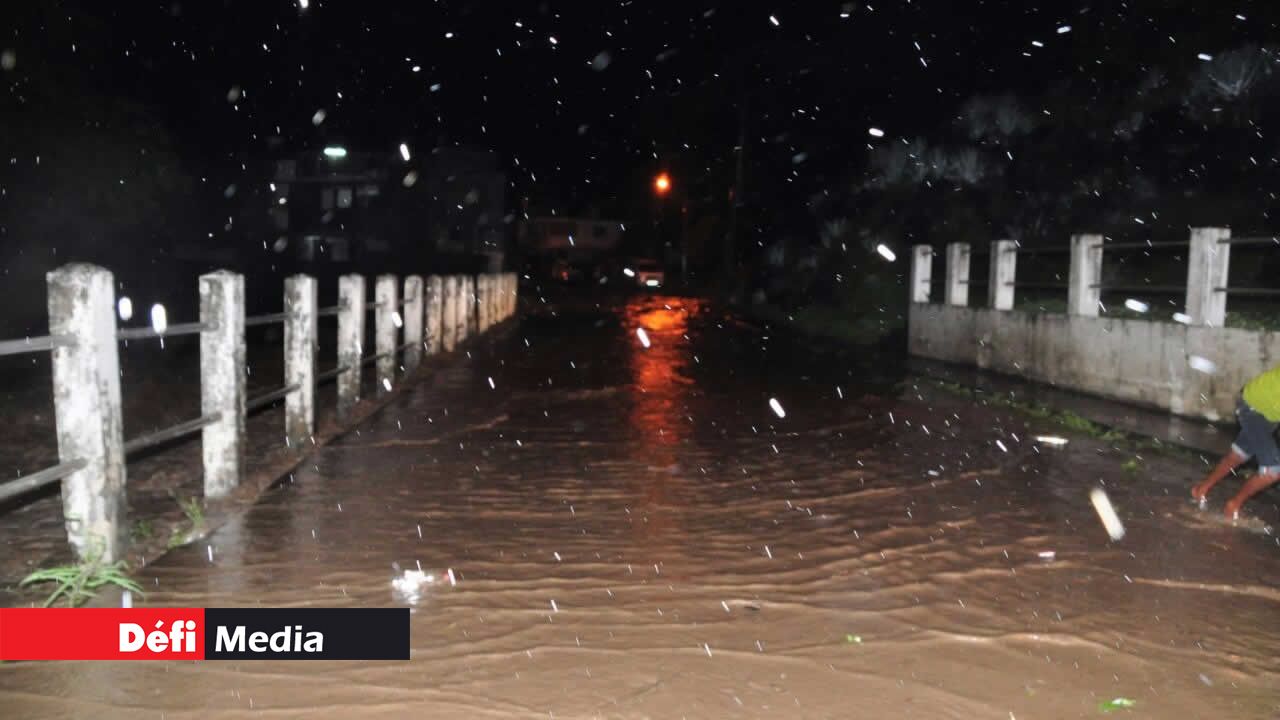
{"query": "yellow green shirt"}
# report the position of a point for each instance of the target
(1263, 394)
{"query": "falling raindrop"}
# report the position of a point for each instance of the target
(1106, 513)
(777, 407)
(159, 318)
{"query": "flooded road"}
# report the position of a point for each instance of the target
(636, 532)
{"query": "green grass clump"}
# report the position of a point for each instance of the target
(77, 583)
(142, 530)
(1065, 419)
(194, 511)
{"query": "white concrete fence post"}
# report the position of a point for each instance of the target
(499, 297)
(351, 317)
(1207, 264)
(449, 313)
(1004, 269)
(222, 380)
(921, 272)
(386, 294)
(473, 325)
(412, 323)
(1083, 293)
(486, 300)
(482, 301)
(504, 290)
(300, 339)
(435, 314)
(462, 310)
(958, 274)
(86, 402)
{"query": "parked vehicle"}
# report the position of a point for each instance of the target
(647, 273)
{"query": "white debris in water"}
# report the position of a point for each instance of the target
(491, 385)
(396, 319)
(1183, 318)
(628, 272)
(553, 606)
(885, 252)
(777, 407)
(1204, 56)
(768, 552)
(1001, 446)
(386, 383)
(707, 647)
(1106, 513)
(875, 132)
(1053, 440)
(774, 19)
(644, 336)
(124, 307)
(1136, 305)
(1202, 364)
(1064, 29)
(410, 584)
(839, 392)
(159, 318)
(404, 152)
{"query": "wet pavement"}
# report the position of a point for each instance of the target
(636, 533)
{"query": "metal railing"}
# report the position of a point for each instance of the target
(86, 304)
(1208, 251)
(146, 333)
(41, 343)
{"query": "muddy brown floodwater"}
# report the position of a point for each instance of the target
(636, 533)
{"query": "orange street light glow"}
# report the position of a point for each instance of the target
(662, 184)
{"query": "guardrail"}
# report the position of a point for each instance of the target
(435, 314)
(1206, 289)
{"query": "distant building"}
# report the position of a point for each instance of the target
(376, 209)
(569, 237)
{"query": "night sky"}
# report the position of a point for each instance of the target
(583, 101)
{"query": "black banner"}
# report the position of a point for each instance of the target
(306, 634)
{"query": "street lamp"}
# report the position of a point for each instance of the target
(662, 184)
